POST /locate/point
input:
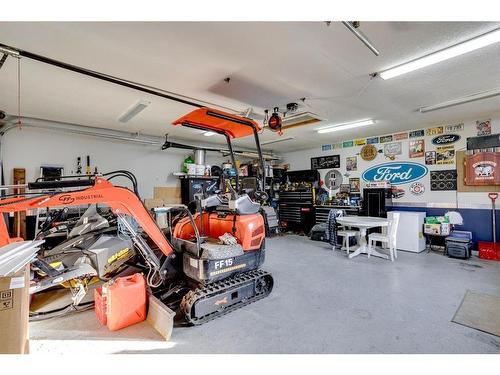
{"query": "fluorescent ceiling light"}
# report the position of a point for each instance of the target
(276, 141)
(134, 111)
(209, 134)
(465, 99)
(350, 125)
(445, 54)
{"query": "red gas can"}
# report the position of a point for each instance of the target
(125, 301)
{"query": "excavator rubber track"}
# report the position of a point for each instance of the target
(216, 299)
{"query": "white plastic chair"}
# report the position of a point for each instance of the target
(389, 238)
(347, 234)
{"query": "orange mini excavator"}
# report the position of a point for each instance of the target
(205, 265)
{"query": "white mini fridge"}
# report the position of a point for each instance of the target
(410, 235)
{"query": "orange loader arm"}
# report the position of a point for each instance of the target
(121, 201)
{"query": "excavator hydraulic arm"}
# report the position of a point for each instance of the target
(119, 199)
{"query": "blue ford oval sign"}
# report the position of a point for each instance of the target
(395, 173)
(445, 139)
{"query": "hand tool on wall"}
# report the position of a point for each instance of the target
(493, 197)
(87, 168)
(79, 165)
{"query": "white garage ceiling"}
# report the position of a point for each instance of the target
(269, 64)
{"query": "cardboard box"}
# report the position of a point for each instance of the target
(442, 229)
(14, 313)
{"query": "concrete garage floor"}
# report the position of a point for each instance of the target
(322, 303)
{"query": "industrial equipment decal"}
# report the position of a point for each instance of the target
(395, 173)
(445, 155)
(386, 138)
(355, 185)
(417, 148)
(417, 188)
(400, 136)
(347, 144)
(434, 131)
(482, 168)
(392, 149)
(368, 152)
(351, 163)
(430, 157)
(417, 133)
(444, 180)
(454, 128)
(445, 139)
(372, 140)
(483, 127)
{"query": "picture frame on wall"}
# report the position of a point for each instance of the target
(417, 148)
(351, 163)
(355, 185)
(430, 157)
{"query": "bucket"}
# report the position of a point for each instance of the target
(126, 302)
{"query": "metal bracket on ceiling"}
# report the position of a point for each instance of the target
(2, 60)
(353, 26)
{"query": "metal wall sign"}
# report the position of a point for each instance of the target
(368, 152)
(417, 133)
(444, 180)
(417, 188)
(333, 179)
(396, 173)
(386, 138)
(323, 162)
(445, 139)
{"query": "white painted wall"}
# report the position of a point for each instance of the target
(302, 160)
(30, 148)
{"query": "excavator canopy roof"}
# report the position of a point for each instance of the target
(219, 122)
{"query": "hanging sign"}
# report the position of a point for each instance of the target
(395, 173)
(445, 139)
(482, 168)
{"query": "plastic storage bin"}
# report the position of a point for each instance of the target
(489, 250)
